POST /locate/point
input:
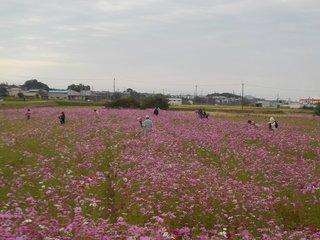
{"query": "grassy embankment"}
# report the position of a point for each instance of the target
(238, 109)
(47, 103)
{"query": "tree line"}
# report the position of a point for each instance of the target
(135, 99)
(35, 84)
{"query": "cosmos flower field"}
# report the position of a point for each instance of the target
(100, 177)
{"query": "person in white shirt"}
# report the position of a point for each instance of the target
(273, 124)
(147, 125)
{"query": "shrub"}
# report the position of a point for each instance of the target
(21, 95)
(125, 102)
(317, 110)
(3, 91)
(308, 107)
(77, 103)
(155, 101)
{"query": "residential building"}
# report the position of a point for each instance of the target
(36, 93)
(102, 95)
(88, 95)
(309, 101)
(175, 101)
(223, 98)
(74, 95)
(58, 95)
(266, 103)
(14, 91)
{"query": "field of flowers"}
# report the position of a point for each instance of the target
(100, 177)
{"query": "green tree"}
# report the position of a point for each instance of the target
(124, 102)
(199, 100)
(116, 96)
(155, 101)
(3, 91)
(79, 87)
(317, 109)
(35, 84)
(20, 95)
(133, 93)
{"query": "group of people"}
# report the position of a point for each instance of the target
(272, 124)
(61, 117)
(147, 124)
(202, 113)
(156, 111)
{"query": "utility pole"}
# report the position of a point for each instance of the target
(196, 91)
(242, 93)
(114, 85)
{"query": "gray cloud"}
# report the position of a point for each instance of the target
(164, 44)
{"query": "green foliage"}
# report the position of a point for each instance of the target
(3, 91)
(77, 103)
(155, 101)
(79, 87)
(42, 103)
(34, 84)
(20, 95)
(133, 93)
(133, 101)
(199, 100)
(125, 102)
(116, 96)
(308, 107)
(295, 210)
(317, 110)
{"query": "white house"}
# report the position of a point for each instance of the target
(295, 105)
(175, 101)
(58, 94)
(309, 101)
(36, 93)
(266, 104)
(73, 95)
(31, 94)
(14, 91)
(87, 95)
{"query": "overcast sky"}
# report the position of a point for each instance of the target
(273, 46)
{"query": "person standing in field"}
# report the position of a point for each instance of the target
(156, 111)
(28, 114)
(62, 118)
(252, 123)
(199, 112)
(205, 115)
(96, 113)
(147, 125)
(273, 124)
(140, 121)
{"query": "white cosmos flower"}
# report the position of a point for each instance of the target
(27, 221)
